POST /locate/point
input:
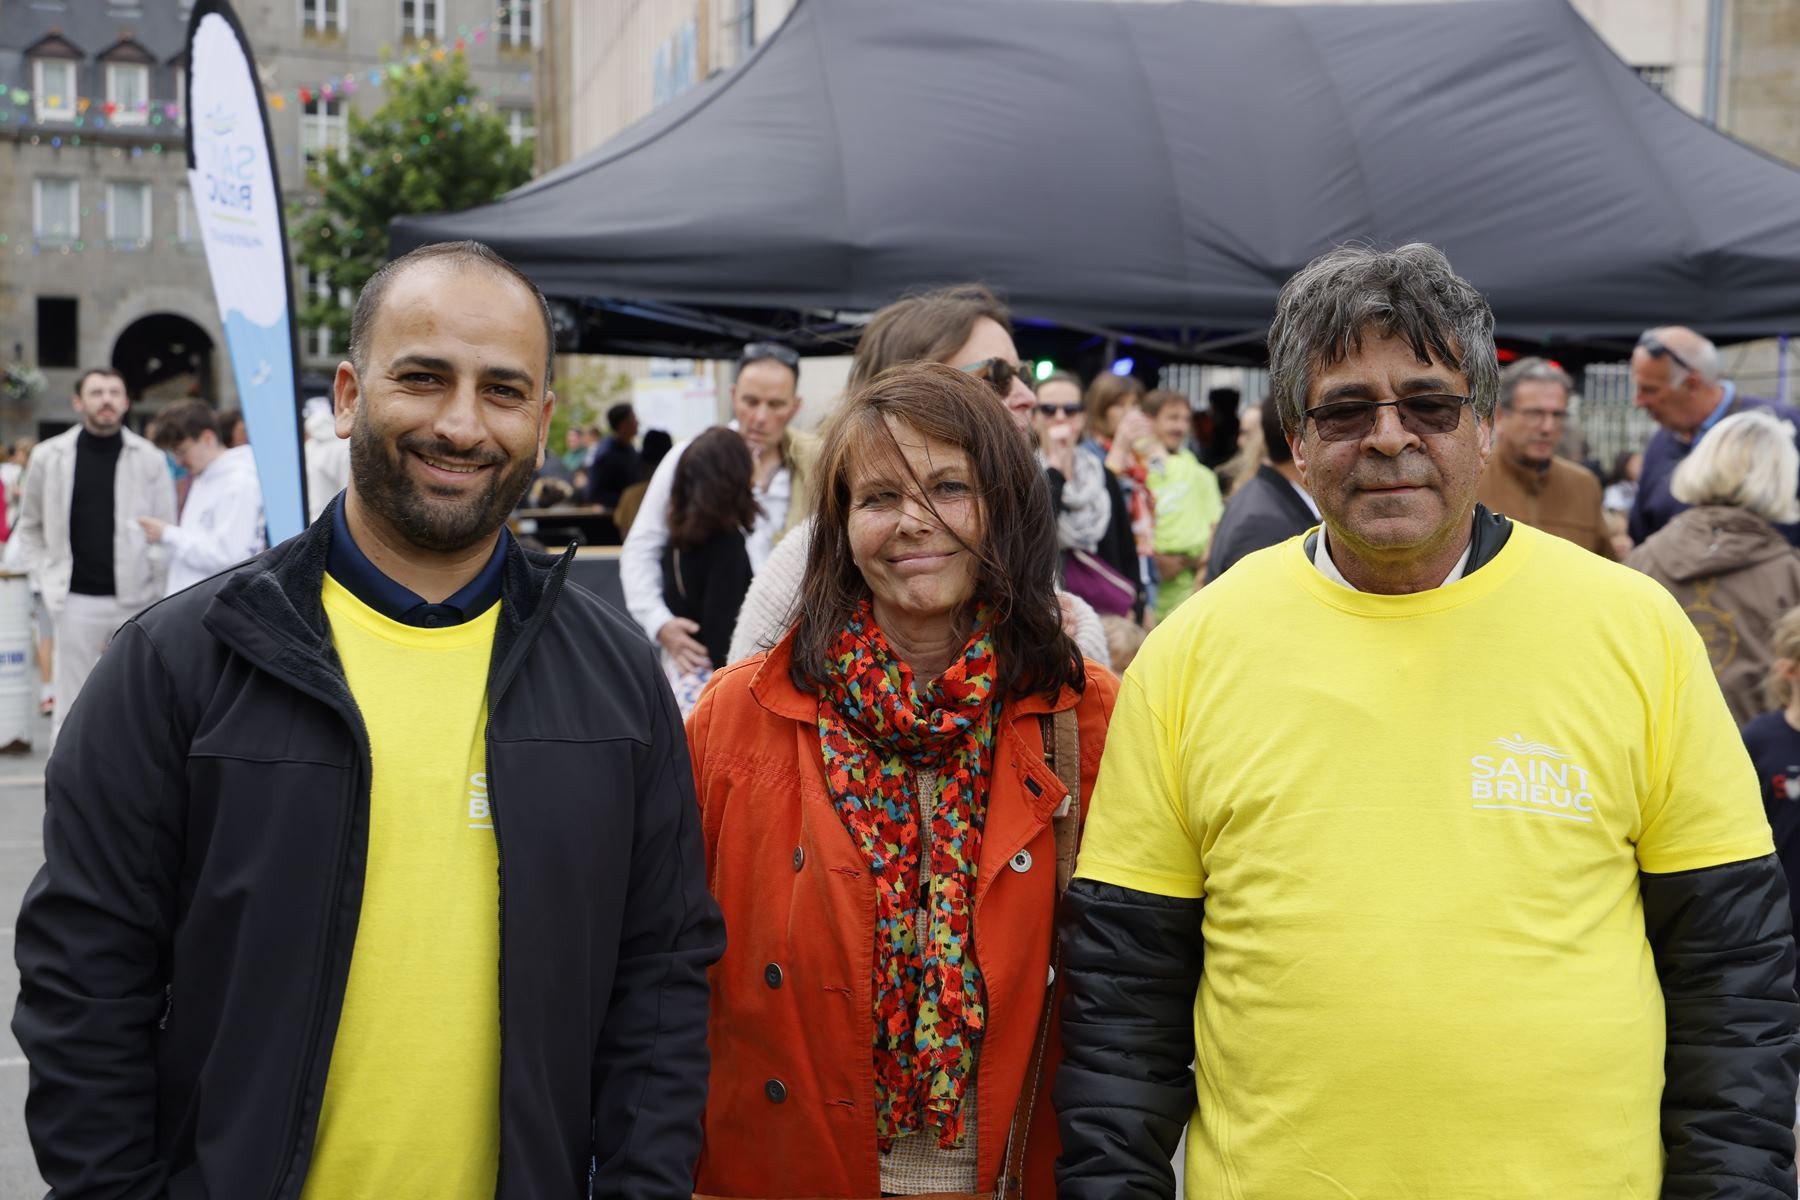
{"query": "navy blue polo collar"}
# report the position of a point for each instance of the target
(347, 564)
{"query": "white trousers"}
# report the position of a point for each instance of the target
(84, 628)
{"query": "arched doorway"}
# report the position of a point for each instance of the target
(165, 356)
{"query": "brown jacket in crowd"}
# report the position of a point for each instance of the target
(1564, 500)
(1734, 574)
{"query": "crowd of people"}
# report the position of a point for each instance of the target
(978, 794)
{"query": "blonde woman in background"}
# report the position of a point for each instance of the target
(1732, 571)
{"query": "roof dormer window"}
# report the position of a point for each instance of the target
(127, 83)
(55, 78)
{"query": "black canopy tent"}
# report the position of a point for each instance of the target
(1152, 173)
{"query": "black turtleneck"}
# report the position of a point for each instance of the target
(91, 514)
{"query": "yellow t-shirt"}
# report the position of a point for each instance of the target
(412, 1102)
(1418, 823)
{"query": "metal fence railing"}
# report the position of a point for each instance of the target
(1604, 411)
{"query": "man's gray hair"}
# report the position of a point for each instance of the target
(1696, 349)
(1747, 461)
(459, 255)
(1326, 310)
(1532, 370)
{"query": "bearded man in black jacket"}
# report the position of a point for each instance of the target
(1448, 881)
(372, 866)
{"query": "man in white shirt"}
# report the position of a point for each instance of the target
(764, 399)
(222, 520)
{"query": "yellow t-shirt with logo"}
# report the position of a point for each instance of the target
(1418, 823)
(412, 1102)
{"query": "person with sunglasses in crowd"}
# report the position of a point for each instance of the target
(1676, 379)
(963, 326)
(765, 398)
(1453, 869)
(1093, 521)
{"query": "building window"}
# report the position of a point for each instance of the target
(128, 214)
(56, 211)
(322, 16)
(1657, 75)
(322, 131)
(128, 91)
(58, 331)
(520, 125)
(675, 67)
(53, 89)
(421, 20)
(737, 31)
(519, 27)
(186, 229)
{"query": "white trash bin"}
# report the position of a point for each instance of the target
(18, 673)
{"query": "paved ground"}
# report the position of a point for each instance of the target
(21, 850)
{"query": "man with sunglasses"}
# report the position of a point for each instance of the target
(1675, 378)
(1450, 859)
(765, 397)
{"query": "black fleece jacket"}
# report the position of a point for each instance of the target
(184, 950)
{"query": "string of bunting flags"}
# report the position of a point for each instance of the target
(89, 113)
(433, 128)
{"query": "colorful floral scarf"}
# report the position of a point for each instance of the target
(878, 728)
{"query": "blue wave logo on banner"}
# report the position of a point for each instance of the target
(221, 121)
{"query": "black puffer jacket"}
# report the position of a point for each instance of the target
(183, 952)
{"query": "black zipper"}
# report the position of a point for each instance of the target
(496, 689)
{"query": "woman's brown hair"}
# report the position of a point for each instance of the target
(713, 489)
(1017, 553)
(923, 328)
(1106, 391)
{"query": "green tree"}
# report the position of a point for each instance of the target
(431, 147)
(585, 388)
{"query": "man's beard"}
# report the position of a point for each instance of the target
(437, 524)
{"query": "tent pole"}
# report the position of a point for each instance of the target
(1715, 52)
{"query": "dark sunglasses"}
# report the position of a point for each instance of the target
(758, 351)
(1059, 410)
(1652, 345)
(1354, 420)
(1000, 374)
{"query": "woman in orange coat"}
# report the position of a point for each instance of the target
(880, 812)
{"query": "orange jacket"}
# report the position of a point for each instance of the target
(790, 1111)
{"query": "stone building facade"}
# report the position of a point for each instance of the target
(100, 257)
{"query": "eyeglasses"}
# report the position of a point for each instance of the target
(1652, 345)
(999, 373)
(1537, 416)
(1059, 410)
(758, 351)
(1354, 420)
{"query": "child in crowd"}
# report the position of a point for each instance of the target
(1773, 740)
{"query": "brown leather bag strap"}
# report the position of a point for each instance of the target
(1062, 751)
(1065, 760)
